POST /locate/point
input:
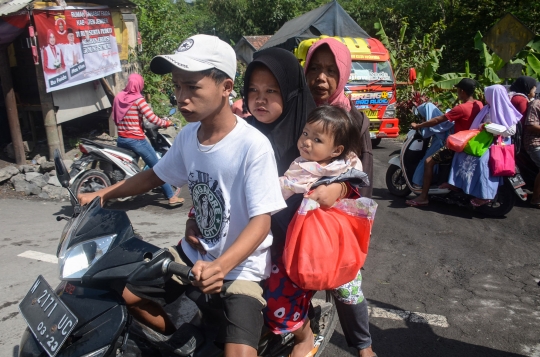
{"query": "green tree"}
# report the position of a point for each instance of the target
(163, 25)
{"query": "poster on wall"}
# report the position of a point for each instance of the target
(77, 45)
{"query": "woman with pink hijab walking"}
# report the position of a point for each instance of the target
(129, 111)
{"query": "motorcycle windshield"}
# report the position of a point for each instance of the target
(95, 221)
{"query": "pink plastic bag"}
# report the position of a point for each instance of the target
(457, 142)
(501, 159)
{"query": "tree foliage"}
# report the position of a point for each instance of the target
(433, 36)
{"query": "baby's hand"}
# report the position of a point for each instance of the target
(325, 196)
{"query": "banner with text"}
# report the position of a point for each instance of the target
(77, 45)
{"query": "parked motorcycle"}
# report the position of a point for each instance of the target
(85, 315)
(104, 165)
(403, 165)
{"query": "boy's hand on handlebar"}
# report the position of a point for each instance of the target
(414, 126)
(85, 198)
(208, 276)
(192, 236)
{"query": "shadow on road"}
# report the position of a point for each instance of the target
(382, 194)
(417, 340)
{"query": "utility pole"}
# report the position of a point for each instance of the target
(52, 130)
(11, 107)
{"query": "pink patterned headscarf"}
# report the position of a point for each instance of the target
(342, 56)
(124, 99)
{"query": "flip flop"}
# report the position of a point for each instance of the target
(478, 202)
(316, 344)
(177, 203)
(413, 203)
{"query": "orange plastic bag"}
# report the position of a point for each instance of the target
(457, 142)
(326, 248)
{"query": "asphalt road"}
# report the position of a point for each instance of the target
(440, 281)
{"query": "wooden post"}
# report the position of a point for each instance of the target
(113, 132)
(49, 116)
(11, 107)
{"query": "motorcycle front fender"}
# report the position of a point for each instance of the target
(395, 161)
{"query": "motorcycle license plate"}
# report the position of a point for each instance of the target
(517, 181)
(372, 135)
(47, 316)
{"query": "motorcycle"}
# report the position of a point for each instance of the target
(403, 164)
(85, 315)
(104, 165)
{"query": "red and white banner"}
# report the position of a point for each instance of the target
(77, 45)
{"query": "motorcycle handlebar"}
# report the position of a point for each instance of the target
(183, 271)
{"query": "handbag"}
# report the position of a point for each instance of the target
(325, 248)
(478, 145)
(456, 142)
(501, 159)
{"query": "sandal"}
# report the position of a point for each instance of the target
(478, 202)
(413, 203)
(179, 201)
(316, 344)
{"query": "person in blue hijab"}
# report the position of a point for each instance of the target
(471, 173)
(438, 135)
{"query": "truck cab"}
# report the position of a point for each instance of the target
(371, 86)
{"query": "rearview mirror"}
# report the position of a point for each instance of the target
(172, 111)
(61, 171)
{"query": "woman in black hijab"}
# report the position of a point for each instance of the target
(522, 91)
(524, 85)
(284, 132)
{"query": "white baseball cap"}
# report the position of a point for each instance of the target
(198, 53)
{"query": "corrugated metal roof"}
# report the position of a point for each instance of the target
(10, 6)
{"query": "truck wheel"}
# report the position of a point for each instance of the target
(90, 181)
(375, 142)
(396, 182)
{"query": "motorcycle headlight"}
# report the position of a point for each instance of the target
(76, 261)
(390, 111)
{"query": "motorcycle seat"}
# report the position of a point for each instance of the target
(110, 147)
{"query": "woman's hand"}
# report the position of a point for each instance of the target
(326, 196)
(192, 236)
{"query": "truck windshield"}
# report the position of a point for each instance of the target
(363, 72)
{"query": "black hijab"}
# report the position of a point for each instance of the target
(523, 85)
(297, 103)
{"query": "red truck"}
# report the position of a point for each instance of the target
(371, 86)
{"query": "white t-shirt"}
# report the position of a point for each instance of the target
(229, 183)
